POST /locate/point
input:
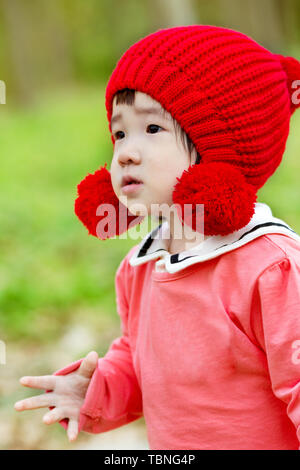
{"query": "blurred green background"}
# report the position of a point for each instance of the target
(57, 297)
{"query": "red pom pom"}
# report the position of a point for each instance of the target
(229, 201)
(97, 201)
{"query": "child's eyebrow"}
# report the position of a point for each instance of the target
(152, 110)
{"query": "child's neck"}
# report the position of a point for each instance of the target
(182, 238)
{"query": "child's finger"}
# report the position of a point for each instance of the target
(88, 364)
(40, 401)
(53, 416)
(72, 430)
(46, 382)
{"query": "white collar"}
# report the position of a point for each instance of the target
(154, 245)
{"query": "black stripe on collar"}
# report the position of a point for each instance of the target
(148, 243)
(174, 258)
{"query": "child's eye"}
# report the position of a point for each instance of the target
(152, 128)
(117, 133)
(153, 125)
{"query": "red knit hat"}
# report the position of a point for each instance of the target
(231, 96)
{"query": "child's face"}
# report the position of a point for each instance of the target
(146, 148)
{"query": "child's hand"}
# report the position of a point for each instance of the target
(66, 396)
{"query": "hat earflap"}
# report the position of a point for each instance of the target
(229, 201)
(99, 209)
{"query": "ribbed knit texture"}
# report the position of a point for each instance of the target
(228, 93)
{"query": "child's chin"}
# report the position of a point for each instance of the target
(138, 209)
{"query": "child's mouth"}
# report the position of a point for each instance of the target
(131, 187)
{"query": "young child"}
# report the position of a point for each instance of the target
(210, 345)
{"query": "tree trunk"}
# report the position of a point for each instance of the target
(259, 19)
(175, 13)
(15, 18)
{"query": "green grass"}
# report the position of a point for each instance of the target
(50, 267)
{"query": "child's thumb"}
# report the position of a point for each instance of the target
(88, 364)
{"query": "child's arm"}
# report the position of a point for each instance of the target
(113, 397)
(278, 331)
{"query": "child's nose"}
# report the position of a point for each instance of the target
(125, 158)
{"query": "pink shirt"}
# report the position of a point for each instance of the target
(210, 351)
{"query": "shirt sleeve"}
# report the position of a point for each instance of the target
(113, 397)
(279, 331)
